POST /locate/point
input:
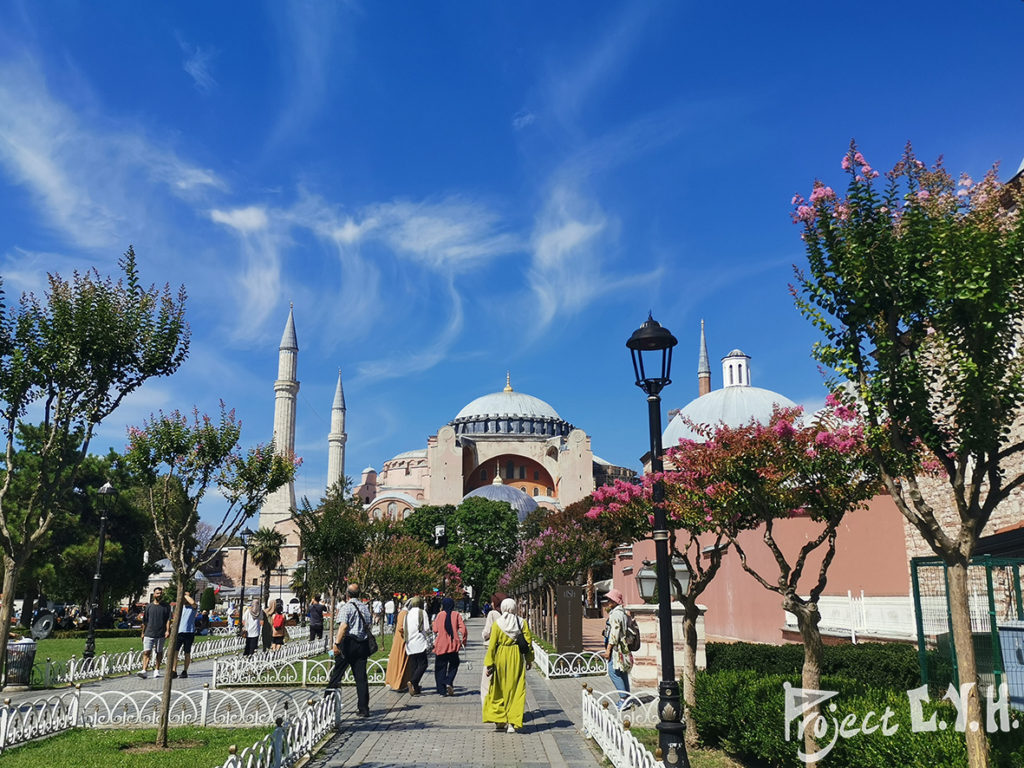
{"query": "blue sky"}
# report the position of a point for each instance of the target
(447, 191)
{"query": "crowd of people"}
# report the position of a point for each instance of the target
(421, 627)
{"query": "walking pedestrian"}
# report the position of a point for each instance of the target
(378, 615)
(316, 618)
(351, 648)
(451, 633)
(505, 665)
(616, 653)
(491, 615)
(186, 636)
(156, 627)
(417, 643)
(397, 675)
(389, 611)
(252, 619)
(277, 622)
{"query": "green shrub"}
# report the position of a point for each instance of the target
(743, 712)
(878, 665)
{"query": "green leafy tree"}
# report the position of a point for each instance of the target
(72, 356)
(916, 283)
(331, 534)
(265, 552)
(208, 600)
(483, 537)
(181, 459)
(421, 523)
(400, 564)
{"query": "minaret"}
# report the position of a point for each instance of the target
(279, 505)
(703, 366)
(336, 439)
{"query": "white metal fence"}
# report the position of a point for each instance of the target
(304, 672)
(290, 741)
(568, 664)
(262, 668)
(49, 674)
(603, 723)
(20, 723)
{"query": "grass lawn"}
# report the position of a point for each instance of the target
(106, 748)
(383, 648)
(699, 758)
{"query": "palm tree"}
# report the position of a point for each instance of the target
(265, 553)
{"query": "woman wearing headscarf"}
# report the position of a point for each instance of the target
(397, 677)
(417, 643)
(451, 635)
(496, 600)
(505, 664)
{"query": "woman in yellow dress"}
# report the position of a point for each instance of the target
(506, 667)
(397, 676)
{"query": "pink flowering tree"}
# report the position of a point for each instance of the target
(693, 524)
(915, 280)
(180, 460)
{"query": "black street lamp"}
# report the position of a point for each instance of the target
(244, 536)
(106, 491)
(440, 536)
(651, 349)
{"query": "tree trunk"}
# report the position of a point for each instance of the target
(265, 593)
(960, 616)
(590, 587)
(27, 604)
(690, 614)
(165, 697)
(807, 619)
(11, 570)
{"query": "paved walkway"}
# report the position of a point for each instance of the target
(431, 730)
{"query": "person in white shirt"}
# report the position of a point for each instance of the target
(389, 612)
(378, 613)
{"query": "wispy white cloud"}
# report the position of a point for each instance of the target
(87, 181)
(523, 119)
(197, 65)
(246, 220)
(423, 359)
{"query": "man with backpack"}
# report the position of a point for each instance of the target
(620, 635)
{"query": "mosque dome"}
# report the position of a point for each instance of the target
(519, 501)
(735, 404)
(509, 412)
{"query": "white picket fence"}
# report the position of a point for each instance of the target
(303, 672)
(603, 723)
(568, 664)
(49, 674)
(20, 723)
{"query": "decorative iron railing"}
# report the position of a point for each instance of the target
(49, 674)
(291, 741)
(268, 666)
(568, 664)
(610, 729)
(78, 708)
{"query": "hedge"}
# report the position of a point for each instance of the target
(743, 713)
(878, 665)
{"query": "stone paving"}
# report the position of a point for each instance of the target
(431, 730)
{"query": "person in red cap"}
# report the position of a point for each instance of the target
(617, 653)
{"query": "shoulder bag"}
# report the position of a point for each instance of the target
(524, 647)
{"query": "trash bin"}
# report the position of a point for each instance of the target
(20, 658)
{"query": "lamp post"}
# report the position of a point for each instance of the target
(440, 536)
(106, 491)
(650, 346)
(244, 536)
(281, 571)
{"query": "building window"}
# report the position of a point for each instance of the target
(255, 582)
(510, 470)
(730, 374)
(536, 491)
(536, 474)
(392, 507)
(483, 474)
(550, 492)
(522, 488)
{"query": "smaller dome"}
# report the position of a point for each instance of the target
(416, 454)
(732, 406)
(737, 353)
(519, 501)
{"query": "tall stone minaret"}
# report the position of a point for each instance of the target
(279, 505)
(703, 366)
(336, 439)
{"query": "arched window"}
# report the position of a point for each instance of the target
(536, 474)
(551, 492)
(392, 508)
(522, 472)
(483, 474)
(522, 488)
(730, 374)
(536, 491)
(510, 470)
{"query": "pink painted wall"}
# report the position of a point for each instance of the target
(870, 556)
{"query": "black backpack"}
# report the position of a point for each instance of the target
(631, 634)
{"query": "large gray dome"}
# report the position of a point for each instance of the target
(519, 501)
(509, 413)
(733, 406)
